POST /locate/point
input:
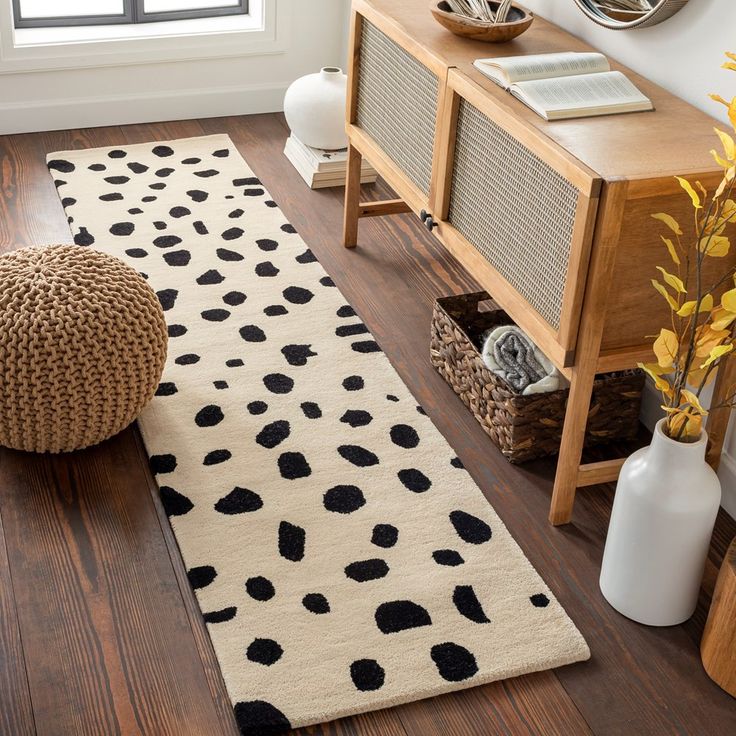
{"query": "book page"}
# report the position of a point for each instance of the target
(609, 89)
(543, 66)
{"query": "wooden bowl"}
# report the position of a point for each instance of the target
(519, 20)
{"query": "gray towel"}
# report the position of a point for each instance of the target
(510, 354)
(515, 354)
(514, 357)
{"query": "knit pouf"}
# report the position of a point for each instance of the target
(82, 347)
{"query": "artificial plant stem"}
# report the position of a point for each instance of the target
(698, 299)
(704, 382)
(681, 376)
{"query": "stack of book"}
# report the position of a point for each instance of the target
(321, 168)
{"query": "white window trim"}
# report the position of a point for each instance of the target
(265, 30)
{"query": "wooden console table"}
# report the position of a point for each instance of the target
(552, 218)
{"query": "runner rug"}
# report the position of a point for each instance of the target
(342, 557)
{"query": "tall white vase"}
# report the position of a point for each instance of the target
(663, 514)
(315, 108)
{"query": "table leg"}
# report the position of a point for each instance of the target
(590, 334)
(571, 447)
(718, 420)
(352, 198)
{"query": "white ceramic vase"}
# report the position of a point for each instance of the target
(315, 108)
(663, 514)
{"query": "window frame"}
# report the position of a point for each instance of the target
(133, 12)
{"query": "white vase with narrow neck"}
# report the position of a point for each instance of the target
(666, 502)
(314, 107)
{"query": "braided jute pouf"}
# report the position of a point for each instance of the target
(82, 347)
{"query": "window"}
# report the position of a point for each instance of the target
(40, 13)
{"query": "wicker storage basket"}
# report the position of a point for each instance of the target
(523, 427)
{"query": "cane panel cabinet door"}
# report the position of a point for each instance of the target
(395, 105)
(518, 211)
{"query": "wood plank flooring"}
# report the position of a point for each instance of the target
(99, 631)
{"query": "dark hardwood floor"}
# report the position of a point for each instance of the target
(99, 631)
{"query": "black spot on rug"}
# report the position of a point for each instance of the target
(260, 588)
(259, 718)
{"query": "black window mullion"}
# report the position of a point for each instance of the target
(142, 17)
(133, 12)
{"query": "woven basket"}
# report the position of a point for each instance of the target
(523, 427)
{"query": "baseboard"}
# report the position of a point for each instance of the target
(651, 413)
(145, 107)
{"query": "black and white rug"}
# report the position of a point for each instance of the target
(342, 557)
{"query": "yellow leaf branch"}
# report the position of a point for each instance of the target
(702, 329)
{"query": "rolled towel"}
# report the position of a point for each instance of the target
(510, 354)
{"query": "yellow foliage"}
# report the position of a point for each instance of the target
(684, 425)
(655, 371)
(728, 176)
(685, 184)
(714, 225)
(702, 332)
(671, 249)
(665, 348)
(706, 304)
(719, 159)
(693, 400)
(693, 427)
(717, 352)
(669, 221)
(731, 106)
(700, 376)
(660, 288)
(707, 338)
(728, 300)
(716, 246)
(729, 147)
(673, 281)
(722, 318)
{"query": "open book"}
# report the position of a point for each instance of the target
(566, 84)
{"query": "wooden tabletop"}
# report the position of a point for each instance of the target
(675, 138)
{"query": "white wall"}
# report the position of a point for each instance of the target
(684, 55)
(311, 35)
(346, 35)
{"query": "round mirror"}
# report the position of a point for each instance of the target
(622, 14)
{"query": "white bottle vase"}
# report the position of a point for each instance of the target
(663, 514)
(315, 109)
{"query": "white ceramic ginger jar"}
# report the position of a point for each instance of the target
(315, 109)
